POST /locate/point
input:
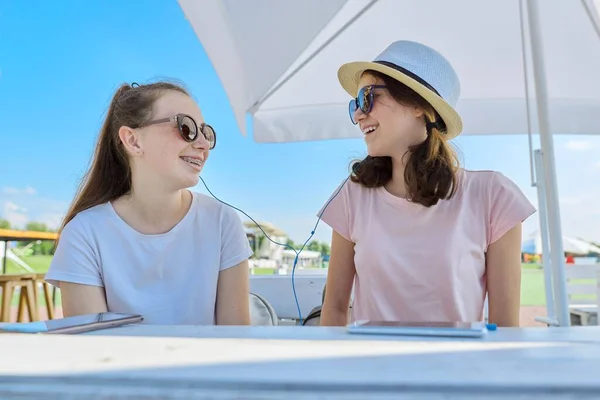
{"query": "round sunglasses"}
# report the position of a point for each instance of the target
(363, 101)
(188, 129)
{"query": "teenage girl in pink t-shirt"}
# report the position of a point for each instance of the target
(419, 238)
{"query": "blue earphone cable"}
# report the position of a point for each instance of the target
(282, 244)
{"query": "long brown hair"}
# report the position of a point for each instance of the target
(109, 174)
(431, 171)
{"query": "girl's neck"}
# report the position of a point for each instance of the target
(397, 185)
(153, 212)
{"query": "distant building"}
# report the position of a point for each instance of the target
(262, 246)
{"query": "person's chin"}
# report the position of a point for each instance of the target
(376, 152)
(193, 181)
(189, 180)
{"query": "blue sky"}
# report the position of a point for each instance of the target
(61, 61)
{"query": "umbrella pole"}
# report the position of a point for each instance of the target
(547, 150)
(546, 264)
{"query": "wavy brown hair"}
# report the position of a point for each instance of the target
(431, 171)
(109, 175)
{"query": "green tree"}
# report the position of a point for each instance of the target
(597, 245)
(314, 246)
(40, 247)
(291, 243)
(4, 224)
(36, 226)
(325, 249)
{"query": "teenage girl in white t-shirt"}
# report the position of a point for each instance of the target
(135, 239)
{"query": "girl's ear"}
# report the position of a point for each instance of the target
(418, 113)
(130, 139)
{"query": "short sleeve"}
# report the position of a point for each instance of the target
(508, 207)
(235, 247)
(336, 211)
(75, 259)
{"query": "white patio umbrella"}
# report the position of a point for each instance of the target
(278, 61)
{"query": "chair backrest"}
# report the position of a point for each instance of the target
(313, 318)
(581, 283)
(261, 311)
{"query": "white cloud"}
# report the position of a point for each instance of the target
(580, 215)
(52, 220)
(22, 205)
(17, 216)
(15, 191)
(579, 205)
(579, 145)
(571, 200)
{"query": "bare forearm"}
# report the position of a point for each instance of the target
(504, 310)
(340, 278)
(503, 270)
(331, 316)
(233, 306)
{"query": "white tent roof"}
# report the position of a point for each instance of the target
(256, 44)
(533, 245)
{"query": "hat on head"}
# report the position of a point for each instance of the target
(419, 67)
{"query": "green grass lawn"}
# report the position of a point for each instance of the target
(532, 287)
(262, 271)
(532, 278)
(39, 263)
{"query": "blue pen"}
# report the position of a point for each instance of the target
(491, 327)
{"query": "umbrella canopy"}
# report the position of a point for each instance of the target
(278, 61)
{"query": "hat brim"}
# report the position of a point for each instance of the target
(349, 76)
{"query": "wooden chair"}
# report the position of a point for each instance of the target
(39, 280)
(27, 298)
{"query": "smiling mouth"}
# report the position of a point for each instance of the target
(193, 161)
(369, 130)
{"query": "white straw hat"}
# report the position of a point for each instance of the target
(419, 67)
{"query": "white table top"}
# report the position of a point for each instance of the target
(304, 362)
(539, 334)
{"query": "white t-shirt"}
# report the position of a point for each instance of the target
(168, 278)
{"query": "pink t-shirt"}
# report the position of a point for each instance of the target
(415, 263)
